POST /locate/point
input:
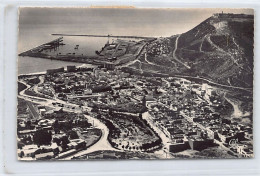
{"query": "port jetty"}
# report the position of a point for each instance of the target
(45, 51)
(113, 36)
(118, 52)
(37, 51)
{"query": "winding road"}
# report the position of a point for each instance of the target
(151, 63)
(45, 101)
(201, 44)
(237, 113)
(164, 138)
(225, 52)
(174, 53)
(188, 67)
(102, 144)
(214, 83)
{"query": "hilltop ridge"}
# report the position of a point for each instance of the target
(219, 48)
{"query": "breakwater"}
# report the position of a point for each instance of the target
(49, 45)
(113, 36)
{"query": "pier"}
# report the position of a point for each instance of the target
(54, 44)
(114, 36)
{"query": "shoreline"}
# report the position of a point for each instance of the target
(44, 72)
(78, 59)
(32, 74)
(247, 89)
(112, 36)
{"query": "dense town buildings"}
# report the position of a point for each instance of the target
(189, 115)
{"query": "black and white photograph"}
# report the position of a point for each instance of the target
(121, 83)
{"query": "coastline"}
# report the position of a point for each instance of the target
(31, 74)
(44, 72)
(78, 59)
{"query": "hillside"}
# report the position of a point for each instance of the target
(219, 49)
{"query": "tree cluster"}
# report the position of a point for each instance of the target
(42, 137)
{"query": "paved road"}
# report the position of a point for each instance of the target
(162, 152)
(102, 144)
(29, 97)
(46, 101)
(34, 113)
(35, 87)
(214, 83)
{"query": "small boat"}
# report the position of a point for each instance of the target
(76, 47)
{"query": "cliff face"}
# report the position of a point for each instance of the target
(220, 48)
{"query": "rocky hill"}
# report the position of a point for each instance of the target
(219, 49)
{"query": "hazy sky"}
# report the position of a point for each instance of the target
(142, 22)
